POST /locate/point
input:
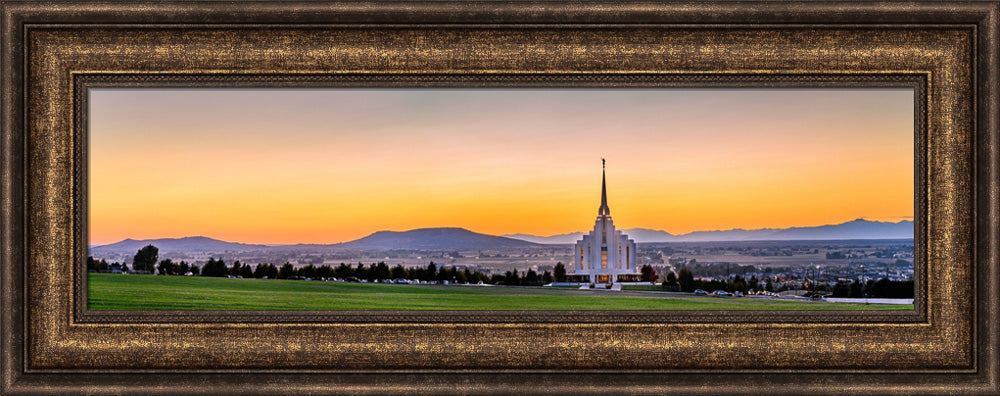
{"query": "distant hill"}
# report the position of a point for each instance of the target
(185, 244)
(647, 235)
(855, 229)
(434, 238)
(553, 239)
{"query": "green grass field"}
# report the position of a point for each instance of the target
(643, 287)
(150, 292)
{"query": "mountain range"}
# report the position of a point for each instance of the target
(434, 238)
(446, 238)
(185, 244)
(855, 229)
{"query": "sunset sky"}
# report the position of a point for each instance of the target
(331, 165)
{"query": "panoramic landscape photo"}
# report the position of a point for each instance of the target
(500, 199)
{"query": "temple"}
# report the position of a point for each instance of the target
(605, 255)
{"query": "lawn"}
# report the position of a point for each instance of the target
(643, 287)
(151, 292)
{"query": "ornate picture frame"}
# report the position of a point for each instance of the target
(54, 51)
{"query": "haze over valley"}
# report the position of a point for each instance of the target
(885, 249)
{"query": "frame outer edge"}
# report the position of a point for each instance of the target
(11, 198)
(503, 12)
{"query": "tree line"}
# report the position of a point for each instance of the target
(146, 260)
(103, 266)
(883, 288)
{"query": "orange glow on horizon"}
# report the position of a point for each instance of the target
(331, 165)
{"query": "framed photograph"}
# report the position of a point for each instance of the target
(384, 159)
(480, 197)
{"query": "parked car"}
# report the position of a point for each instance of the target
(700, 292)
(720, 293)
(352, 279)
(737, 294)
(401, 281)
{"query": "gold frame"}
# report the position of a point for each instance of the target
(53, 51)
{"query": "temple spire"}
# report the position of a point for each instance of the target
(604, 210)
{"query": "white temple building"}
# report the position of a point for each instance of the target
(605, 255)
